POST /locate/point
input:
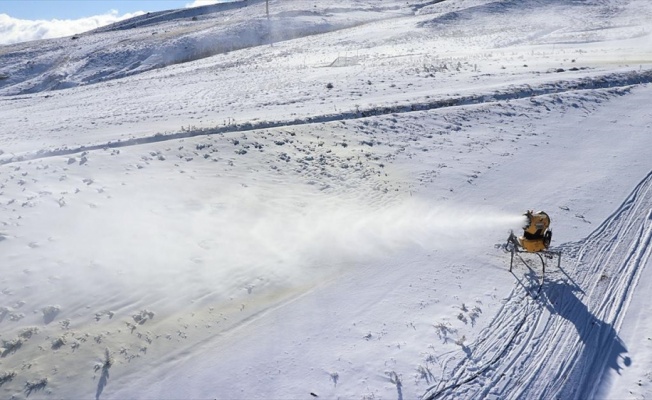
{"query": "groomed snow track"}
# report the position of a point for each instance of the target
(556, 339)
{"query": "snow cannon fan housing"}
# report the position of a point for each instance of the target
(536, 233)
(536, 239)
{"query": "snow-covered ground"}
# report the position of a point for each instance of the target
(209, 204)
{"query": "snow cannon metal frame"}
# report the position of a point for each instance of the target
(536, 239)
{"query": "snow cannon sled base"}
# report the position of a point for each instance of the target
(536, 239)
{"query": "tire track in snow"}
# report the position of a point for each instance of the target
(561, 341)
(613, 81)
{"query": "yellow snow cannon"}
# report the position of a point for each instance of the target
(536, 238)
(536, 233)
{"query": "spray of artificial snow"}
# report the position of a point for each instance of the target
(222, 247)
(290, 240)
(354, 231)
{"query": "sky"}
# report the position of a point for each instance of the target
(25, 20)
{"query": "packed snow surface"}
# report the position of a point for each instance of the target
(210, 203)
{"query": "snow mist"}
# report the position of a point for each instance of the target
(168, 254)
(341, 230)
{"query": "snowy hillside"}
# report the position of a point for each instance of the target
(204, 203)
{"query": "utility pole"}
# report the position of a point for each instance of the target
(269, 23)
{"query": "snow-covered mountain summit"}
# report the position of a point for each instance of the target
(160, 39)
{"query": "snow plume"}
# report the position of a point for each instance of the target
(285, 240)
(14, 30)
(340, 231)
(223, 244)
(220, 244)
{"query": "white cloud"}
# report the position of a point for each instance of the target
(14, 30)
(198, 3)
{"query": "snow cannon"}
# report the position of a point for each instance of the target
(536, 232)
(536, 239)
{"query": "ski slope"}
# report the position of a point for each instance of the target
(209, 204)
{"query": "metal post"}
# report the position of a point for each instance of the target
(511, 261)
(267, 8)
